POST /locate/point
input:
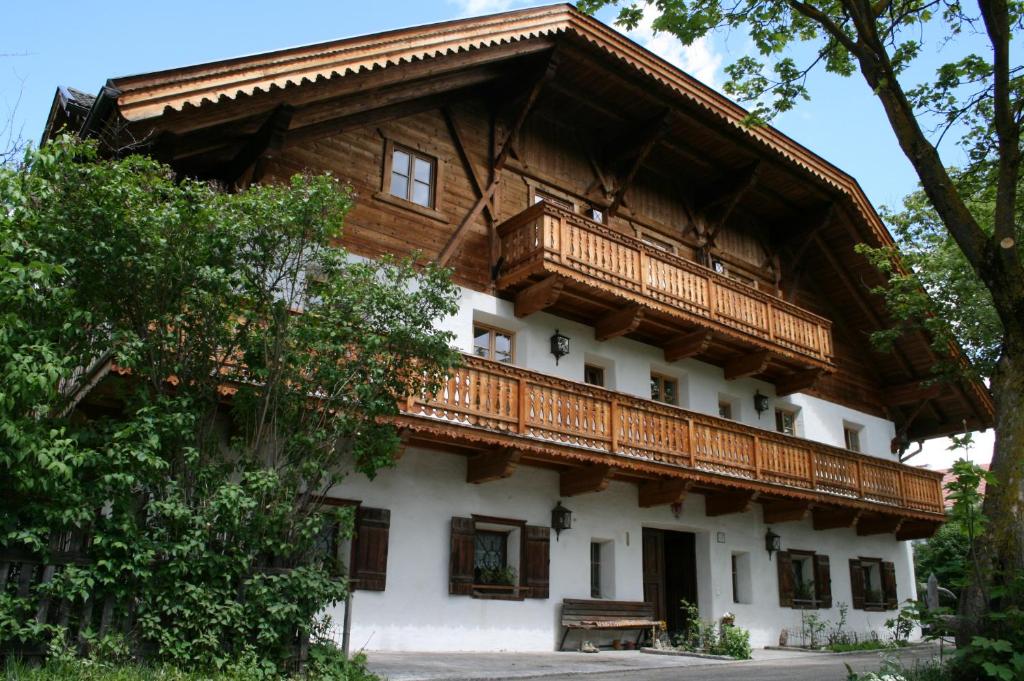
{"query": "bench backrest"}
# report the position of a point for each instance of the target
(575, 610)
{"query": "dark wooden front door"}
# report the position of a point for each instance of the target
(670, 574)
(654, 570)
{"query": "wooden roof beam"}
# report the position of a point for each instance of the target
(458, 141)
(750, 364)
(618, 323)
(686, 345)
(267, 140)
(663, 492)
(910, 393)
(539, 296)
(916, 529)
(887, 524)
(593, 478)
(725, 503)
(785, 511)
(798, 382)
(655, 131)
(492, 465)
(719, 202)
(834, 519)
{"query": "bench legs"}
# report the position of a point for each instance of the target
(561, 646)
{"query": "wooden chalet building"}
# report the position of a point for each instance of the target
(718, 389)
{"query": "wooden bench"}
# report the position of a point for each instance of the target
(599, 614)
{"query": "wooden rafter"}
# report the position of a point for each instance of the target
(458, 141)
(267, 140)
(594, 478)
(910, 393)
(636, 154)
(619, 322)
(725, 503)
(886, 524)
(798, 382)
(492, 465)
(785, 511)
(916, 529)
(686, 345)
(750, 364)
(834, 519)
(539, 296)
(719, 202)
(663, 492)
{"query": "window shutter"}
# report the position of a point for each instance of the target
(889, 586)
(535, 561)
(786, 587)
(460, 567)
(856, 584)
(822, 581)
(370, 548)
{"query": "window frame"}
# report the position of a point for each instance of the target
(492, 335)
(595, 569)
(557, 199)
(587, 367)
(384, 193)
(515, 591)
(803, 557)
(871, 566)
(855, 430)
(779, 427)
(727, 404)
(661, 379)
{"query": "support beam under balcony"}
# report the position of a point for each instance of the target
(785, 511)
(618, 323)
(916, 529)
(593, 478)
(539, 296)
(663, 492)
(910, 393)
(886, 524)
(834, 519)
(747, 365)
(725, 503)
(492, 465)
(798, 382)
(686, 345)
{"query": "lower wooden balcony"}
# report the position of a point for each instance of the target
(503, 416)
(556, 260)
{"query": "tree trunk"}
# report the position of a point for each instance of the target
(1000, 551)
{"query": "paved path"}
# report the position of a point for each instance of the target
(768, 665)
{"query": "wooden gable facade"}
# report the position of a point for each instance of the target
(575, 172)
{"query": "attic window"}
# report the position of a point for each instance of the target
(413, 176)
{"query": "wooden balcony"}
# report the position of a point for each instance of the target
(574, 267)
(493, 407)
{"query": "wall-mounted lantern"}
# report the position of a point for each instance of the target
(561, 519)
(559, 346)
(760, 403)
(772, 543)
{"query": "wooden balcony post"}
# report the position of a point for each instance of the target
(693, 443)
(902, 488)
(860, 478)
(757, 457)
(642, 273)
(521, 406)
(771, 320)
(613, 412)
(811, 469)
(712, 298)
(563, 240)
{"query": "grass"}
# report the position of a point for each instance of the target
(867, 644)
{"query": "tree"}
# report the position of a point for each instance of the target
(253, 365)
(979, 96)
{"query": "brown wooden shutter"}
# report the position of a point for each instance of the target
(786, 586)
(889, 586)
(856, 584)
(460, 567)
(536, 557)
(822, 581)
(370, 548)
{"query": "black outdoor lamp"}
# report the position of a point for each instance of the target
(559, 346)
(772, 543)
(760, 403)
(561, 519)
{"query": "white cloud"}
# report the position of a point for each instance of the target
(937, 456)
(699, 59)
(475, 8)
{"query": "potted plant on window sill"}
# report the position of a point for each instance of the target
(803, 594)
(497, 580)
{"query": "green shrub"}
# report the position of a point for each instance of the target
(732, 641)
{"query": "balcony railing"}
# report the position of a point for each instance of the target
(546, 239)
(508, 400)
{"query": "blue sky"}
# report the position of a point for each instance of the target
(46, 44)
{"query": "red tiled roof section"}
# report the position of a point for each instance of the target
(948, 477)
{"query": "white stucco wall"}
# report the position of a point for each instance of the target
(427, 488)
(629, 365)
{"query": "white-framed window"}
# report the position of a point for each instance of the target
(742, 591)
(852, 436)
(785, 420)
(412, 175)
(724, 408)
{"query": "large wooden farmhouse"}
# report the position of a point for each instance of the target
(669, 391)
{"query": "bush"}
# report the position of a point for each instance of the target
(732, 641)
(711, 638)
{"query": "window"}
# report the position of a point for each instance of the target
(805, 579)
(490, 555)
(593, 375)
(498, 558)
(413, 176)
(851, 434)
(873, 584)
(725, 409)
(364, 558)
(491, 343)
(785, 421)
(655, 242)
(595, 214)
(664, 389)
(595, 569)
(718, 266)
(741, 587)
(541, 195)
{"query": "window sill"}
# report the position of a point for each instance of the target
(410, 206)
(498, 592)
(805, 605)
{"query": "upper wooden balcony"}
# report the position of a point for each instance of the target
(574, 267)
(500, 414)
